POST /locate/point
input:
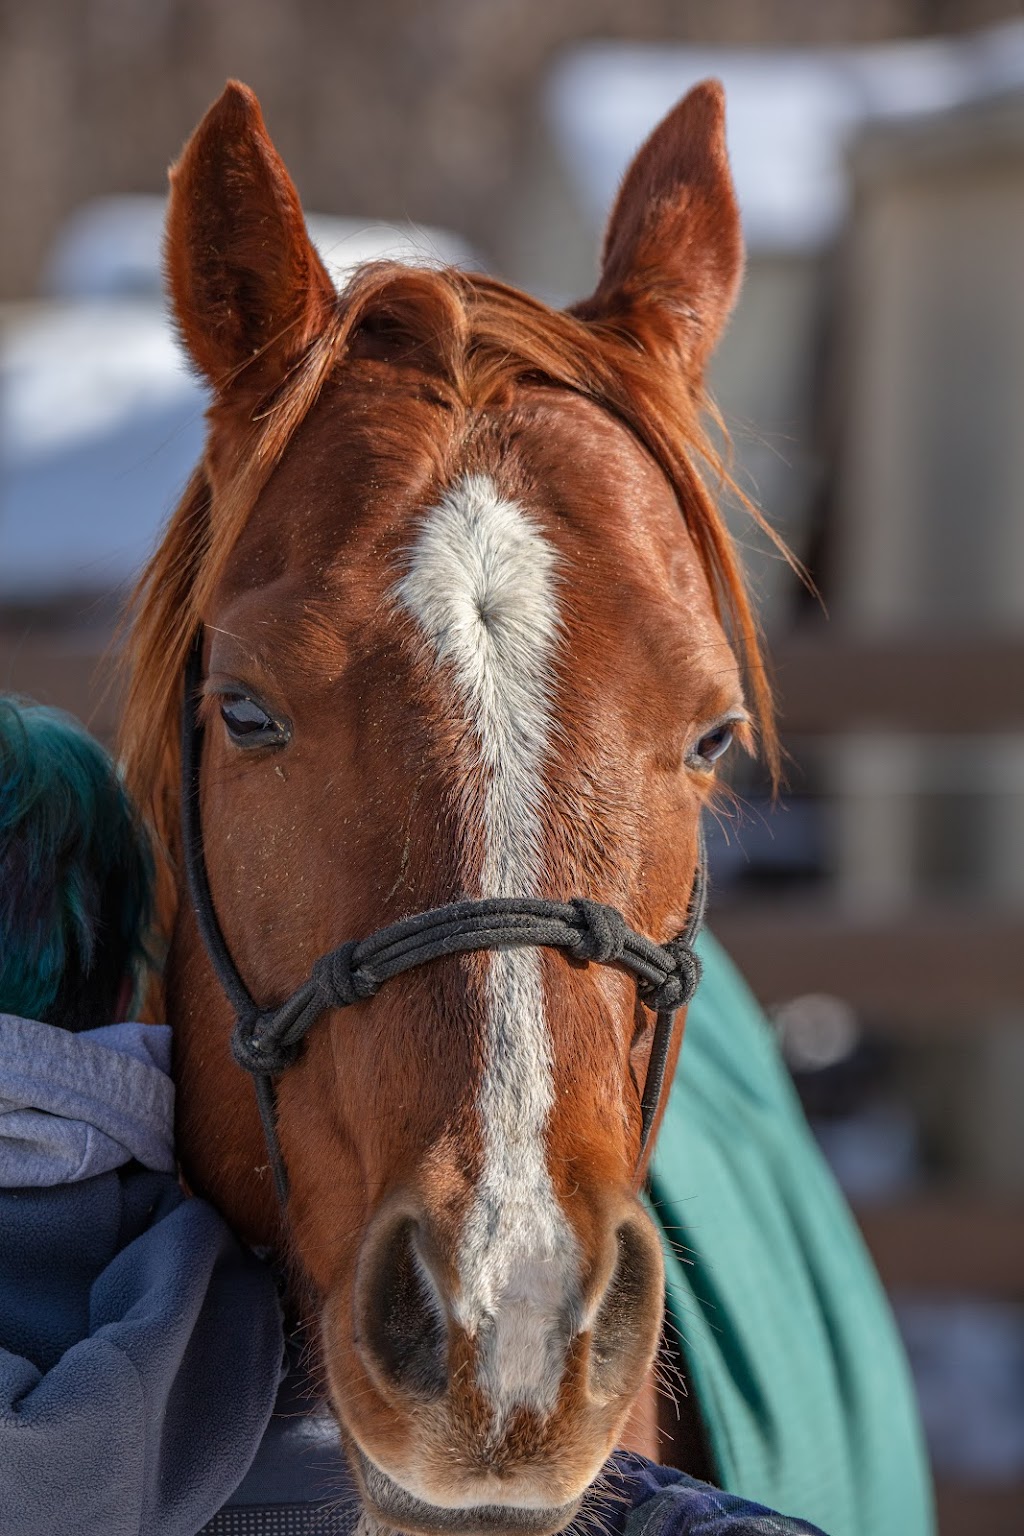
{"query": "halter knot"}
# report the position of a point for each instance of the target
(255, 1048)
(602, 932)
(339, 981)
(679, 983)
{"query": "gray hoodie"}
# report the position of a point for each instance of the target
(140, 1343)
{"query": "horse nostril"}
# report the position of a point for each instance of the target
(403, 1320)
(626, 1328)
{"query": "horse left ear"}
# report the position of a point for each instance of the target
(248, 289)
(673, 250)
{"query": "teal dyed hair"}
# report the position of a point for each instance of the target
(76, 876)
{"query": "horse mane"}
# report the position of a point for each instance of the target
(476, 339)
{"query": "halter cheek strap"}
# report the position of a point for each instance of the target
(266, 1041)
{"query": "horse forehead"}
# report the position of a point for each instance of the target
(365, 471)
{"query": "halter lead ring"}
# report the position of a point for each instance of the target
(265, 1041)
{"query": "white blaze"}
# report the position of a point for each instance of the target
(482, 586)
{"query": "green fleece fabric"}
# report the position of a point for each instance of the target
(787, 1336)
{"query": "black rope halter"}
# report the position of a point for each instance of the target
(265, 1041)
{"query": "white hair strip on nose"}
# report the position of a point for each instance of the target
(482, 586)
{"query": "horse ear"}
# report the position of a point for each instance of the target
(673, 250)
(248, 288)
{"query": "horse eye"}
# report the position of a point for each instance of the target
(249, 724)
(714, 745)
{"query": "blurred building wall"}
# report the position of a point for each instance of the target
(930, 524)
(933, 467)
(930, 540)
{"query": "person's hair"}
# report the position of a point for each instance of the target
(76, 873)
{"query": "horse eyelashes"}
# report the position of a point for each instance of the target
(714, 745)
(249, 724)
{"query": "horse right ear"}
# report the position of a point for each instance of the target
(248, 289)
(673, 250)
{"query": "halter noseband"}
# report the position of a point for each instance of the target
(267, 1040)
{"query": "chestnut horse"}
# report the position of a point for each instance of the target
(469, 616)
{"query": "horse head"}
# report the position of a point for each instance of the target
(469, 614)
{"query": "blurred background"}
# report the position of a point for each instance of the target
(873, 382)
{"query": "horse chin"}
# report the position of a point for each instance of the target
(389, 1506)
